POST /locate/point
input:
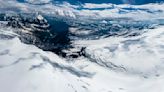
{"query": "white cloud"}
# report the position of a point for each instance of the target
(38, 1)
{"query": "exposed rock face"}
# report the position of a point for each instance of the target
(38, 23)
(38, 31)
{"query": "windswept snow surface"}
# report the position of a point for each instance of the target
(124, 48)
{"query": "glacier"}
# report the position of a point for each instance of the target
(61, 47)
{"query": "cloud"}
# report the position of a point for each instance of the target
(38, 1)
(128, 1)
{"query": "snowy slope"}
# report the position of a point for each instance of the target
(127, 58)
(141, 55)
(29, 69)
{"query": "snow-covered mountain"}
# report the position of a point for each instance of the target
(60, 47)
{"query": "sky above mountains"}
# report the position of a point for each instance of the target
(105, 1)
(116, 1)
